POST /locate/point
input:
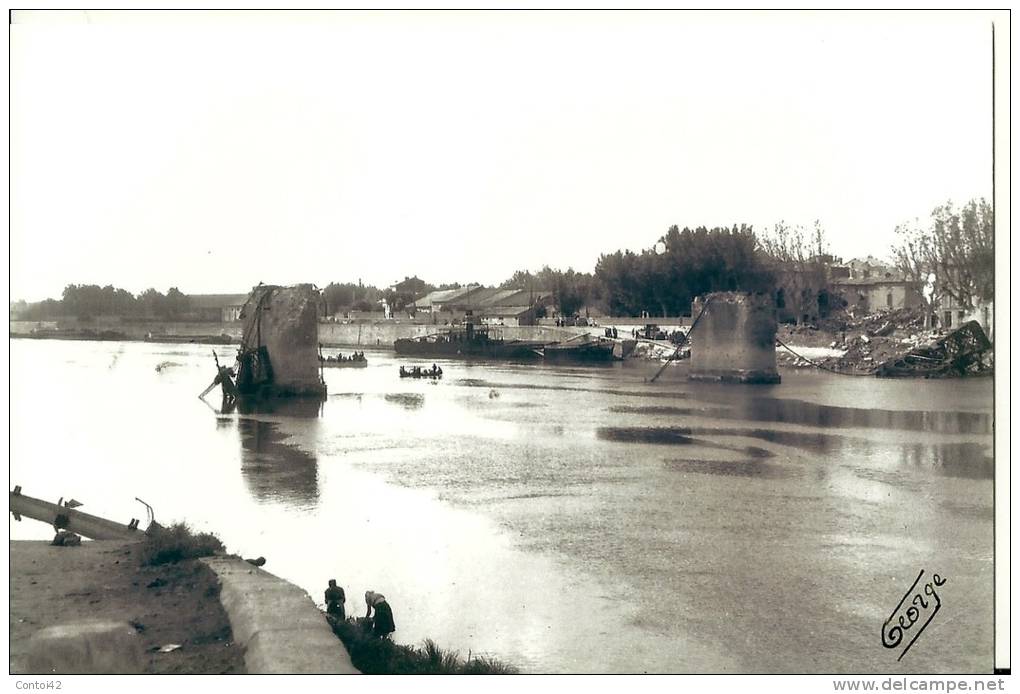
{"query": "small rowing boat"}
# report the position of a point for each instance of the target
(343, 363)
(418, 372)
(355, 361)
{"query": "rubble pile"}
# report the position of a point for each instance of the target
(867, 341)
(659, 351)
(965, 351)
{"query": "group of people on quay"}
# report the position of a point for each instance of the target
(652, 332)
(418, 372)
(382, 624)
(574, 321)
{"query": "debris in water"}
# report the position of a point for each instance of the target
(279, 353)
(962, 352)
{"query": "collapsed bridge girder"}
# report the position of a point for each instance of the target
(960, 353)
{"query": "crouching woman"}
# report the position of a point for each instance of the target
(382, 621)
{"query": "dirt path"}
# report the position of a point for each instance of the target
(170, 604)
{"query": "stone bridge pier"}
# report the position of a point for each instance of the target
(734, 341)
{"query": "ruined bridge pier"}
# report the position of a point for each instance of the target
(735, 338)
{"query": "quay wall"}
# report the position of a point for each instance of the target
(735, 339)
(281, 629)
(384, 334)
(133, 330)
(375, 334)
(355, 334)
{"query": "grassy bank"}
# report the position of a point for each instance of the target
(375, 656)
(177, 543)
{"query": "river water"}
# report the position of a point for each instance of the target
(561, 519)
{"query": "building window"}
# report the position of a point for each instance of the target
(947, 319)
(888, 300)
(959, 316)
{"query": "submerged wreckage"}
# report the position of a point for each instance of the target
(963, 352)
(279, 354)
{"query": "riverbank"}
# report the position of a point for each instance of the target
(209, 615)
(376, 656)
(168, 605)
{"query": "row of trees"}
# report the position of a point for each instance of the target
(664, 279)
(348, 296)
(661, 280)
(952, 256)
(571, 290)
(85, 301)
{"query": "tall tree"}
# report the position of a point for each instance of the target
(914, 257)
(954, 253)
(797, 256)
(571, 290)
(684, 263)
(177, 304)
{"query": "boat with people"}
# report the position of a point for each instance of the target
(468, 341)
(419, 372)
(357, 360)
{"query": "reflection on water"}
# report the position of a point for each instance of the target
(966, 460)
(742, 468)
(828, 416)
(304, 408)
(675, 436)
(563, 519)
(670, 410)
(409, 401)
(273, 470)
(482, 383)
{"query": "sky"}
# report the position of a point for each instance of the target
(214, 151)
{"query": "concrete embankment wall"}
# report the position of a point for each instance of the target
(381, 334)
(385, 334)
(282, 630)
(735, 339)
(137, 331)
(368, 334)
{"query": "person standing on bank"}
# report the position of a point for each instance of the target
(382, 622)
(335, 600)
